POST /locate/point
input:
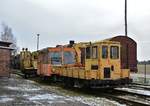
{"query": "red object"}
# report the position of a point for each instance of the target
(128, 52)
(5, 53)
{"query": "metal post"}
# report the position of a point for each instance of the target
(38, 41)
(126, 29)
(145, 73)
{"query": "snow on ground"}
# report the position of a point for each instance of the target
(51, 98)
(95, 101)
(45, 96)
(90, 100)
(4, 99)
(21, 89)
(145, 92)
(18, 91)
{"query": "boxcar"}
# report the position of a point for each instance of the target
(128, 52)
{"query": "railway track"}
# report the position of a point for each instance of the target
(129, 97)
(135, 85)
(132, 92)
(126, 99)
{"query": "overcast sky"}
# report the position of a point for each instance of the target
(58, 21)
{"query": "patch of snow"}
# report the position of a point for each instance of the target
(30, 81)
(26, 95)
(94, 101)
(115, 103)
(139, 75)
(22, 88)
(61, 101)
(58, 101)
(4, 99)
(38, 103)
(45, 97)
(145, 92)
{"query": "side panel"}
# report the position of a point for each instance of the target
(125, 73)
(82, 74)
(70, 72)
(76, 73)
(46, 69)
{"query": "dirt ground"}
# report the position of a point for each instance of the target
(16, 91)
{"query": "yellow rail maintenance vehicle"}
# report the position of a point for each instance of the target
(28, 62)
(85, 64)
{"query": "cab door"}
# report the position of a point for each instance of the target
(91, 61)
(115, 61)
(110, 61)
(105, 62)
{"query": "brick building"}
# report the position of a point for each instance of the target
(5, 53)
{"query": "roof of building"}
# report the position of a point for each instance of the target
(2, 47)
(5, 44)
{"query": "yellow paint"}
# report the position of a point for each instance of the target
(88, 73)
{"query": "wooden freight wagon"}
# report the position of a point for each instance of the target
(128, 52)
(5, 53)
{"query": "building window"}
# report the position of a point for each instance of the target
(94, 52)
(69, 57)
(114, 52)
(56, 58)
(88, 53)
(104, 52)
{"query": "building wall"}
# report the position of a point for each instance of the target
(4, 62)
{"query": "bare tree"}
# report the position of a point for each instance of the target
(7, 36)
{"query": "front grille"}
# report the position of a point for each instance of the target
(107, 72)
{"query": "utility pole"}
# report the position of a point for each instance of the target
(145, 72)
(38, 35)
(126, 26)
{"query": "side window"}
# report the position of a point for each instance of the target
(94, 52)
(56, 58)
(69, 57)
(88, 53)
(104, 52)
(114, 52)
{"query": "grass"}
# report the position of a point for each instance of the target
(141, 69)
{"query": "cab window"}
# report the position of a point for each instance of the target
(114, 52)
(104, 52)
(56, 58)
(94, 52)
(69, 57)
(88, 53)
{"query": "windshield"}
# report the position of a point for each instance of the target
(56, 58)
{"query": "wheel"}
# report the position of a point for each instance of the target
(68, 82)
(25, 76)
